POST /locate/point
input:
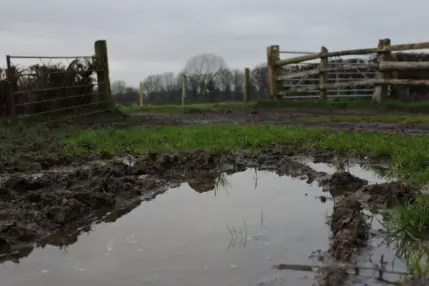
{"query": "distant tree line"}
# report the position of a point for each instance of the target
(209, 80)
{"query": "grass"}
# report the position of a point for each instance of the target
(410, 118)
(407, 231)
(387, 105)
(409, 154)
(190, 108)
(412, 219)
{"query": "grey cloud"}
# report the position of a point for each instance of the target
(147, 37)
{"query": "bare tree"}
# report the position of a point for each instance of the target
(202, 71)
(179, 81)
(205, 64)
(168, 81)
(153, 84)
(224, 80)
(259, 78)
(118, 87)
(237, 80)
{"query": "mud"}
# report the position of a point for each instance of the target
(414, 282)
(281, 116)
(387, 195)
(349, 228)
(343, 182)
(35, 206)
(54, 206)
(271, 116)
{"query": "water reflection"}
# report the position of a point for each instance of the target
(216, 229)
(188, 237)
(414, 251)
(371, 170)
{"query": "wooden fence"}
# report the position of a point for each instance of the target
(385, 65)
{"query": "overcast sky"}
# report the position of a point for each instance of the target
(146, 37)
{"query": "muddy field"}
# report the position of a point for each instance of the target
(51, 203)
(293, 117)
(41, 195)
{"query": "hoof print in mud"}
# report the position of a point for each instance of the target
(341, 183)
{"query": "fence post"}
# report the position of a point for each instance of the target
(103, 77)
(380, 91)
(11, 90)
(273, 55)
(141, 94)
(246, 84)
(184, 89)
(324, 64)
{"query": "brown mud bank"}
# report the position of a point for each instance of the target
(349, 226)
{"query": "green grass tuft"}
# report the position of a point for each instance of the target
(408, 232)
(411, 219)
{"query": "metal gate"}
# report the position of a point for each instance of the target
(364, 70)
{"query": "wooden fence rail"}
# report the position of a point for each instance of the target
(384, 64)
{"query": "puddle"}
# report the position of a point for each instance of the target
(186, 237)
(374, 173)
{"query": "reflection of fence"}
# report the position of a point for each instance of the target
(336, 77)
(80, 86)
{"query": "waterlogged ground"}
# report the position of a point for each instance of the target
(196, 235)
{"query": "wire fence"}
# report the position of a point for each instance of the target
(55, 87)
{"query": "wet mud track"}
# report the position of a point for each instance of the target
(54, 206)
(287, 117)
